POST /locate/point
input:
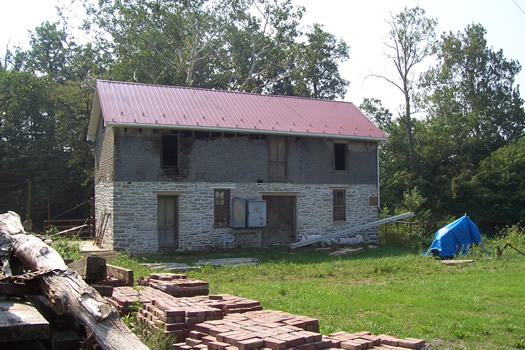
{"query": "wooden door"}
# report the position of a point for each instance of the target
(167, 222)
(280, 220)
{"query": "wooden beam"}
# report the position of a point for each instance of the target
(120, 273)
(21, 321)
(90, 268)
(19, 289)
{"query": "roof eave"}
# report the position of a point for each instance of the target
(94, 118)
(237, 130)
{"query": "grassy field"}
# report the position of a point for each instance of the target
(390, 289)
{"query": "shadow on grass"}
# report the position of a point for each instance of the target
(305, 255)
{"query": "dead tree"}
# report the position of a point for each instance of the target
(66, 290)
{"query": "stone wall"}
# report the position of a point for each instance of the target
(104, 212)
(134, 216)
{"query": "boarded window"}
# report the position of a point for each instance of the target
(221, 208)
(340, 156)
(339, 205)
(277, 160)
(170, 151)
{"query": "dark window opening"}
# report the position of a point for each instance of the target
(339, 206)
(340, 156)
(221, 207)
(187, 133)
(170, 147)
(202, 135)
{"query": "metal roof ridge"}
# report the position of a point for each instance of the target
(224, 91)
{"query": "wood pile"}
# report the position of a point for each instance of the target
(177, 285)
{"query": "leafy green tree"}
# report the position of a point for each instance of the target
(474, 109)
(500, 186)
(44, 111)
(318, 61)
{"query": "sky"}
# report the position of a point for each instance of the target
(362, 24)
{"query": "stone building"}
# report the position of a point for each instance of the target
(187, 168)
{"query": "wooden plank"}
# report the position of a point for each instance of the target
(90, 268)
(349, 231)
(21, 321)
(120, 273)
(19, 289)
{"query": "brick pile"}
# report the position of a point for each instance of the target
(175, 284)
(123, 297)
(275, 330)
(365, 339)
(248, 335)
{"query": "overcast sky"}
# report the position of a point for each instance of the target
(362, 24)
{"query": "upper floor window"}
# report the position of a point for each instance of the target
(170, 151)
(221, 207)
(340, 157)
(277, 158)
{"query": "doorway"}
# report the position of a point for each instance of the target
(168, 222)
(280, 220)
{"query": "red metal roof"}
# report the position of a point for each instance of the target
(132, 104)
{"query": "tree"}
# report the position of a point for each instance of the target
(317, 69)
(500, 186)
(242, 45)
(474, 109)
(44, 111)
(412, 38)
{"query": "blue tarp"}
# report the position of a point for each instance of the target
(455, 238)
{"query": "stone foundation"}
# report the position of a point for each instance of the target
(133, 206)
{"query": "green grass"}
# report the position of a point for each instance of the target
(391, 289)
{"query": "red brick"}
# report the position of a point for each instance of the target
(306, 346)
(274, 344)
(375, 340)
(208, 339)
(412, 343)
(362, 333)
(388, 339)
(217, 345)
(249, 344)
(174, 326)
(353, 345)
(196, 335)
(192, 342)
(322, 344)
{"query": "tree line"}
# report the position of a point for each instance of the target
(463, 155)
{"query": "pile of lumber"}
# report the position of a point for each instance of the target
(177, 285)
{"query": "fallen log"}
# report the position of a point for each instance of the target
(65, 289)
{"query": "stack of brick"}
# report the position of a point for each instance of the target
(250, 331)
(364, 340)
(123, 297)
(174, 318)
(256, 329)
(228, 303)
(177, 285)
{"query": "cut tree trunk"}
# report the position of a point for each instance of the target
(65, 289)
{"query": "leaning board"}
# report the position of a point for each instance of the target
(21, 321)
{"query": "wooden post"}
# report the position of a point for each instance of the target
(65, 289)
